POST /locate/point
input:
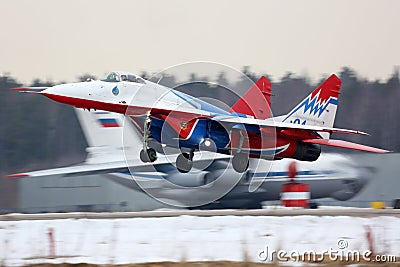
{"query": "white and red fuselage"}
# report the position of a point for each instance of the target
(185, 115)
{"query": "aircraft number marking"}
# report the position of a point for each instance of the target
(297, 121)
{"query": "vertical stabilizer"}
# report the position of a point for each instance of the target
(107, 134)
(256, 102)
(319, 108)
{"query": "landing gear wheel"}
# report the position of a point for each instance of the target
(240, 162)
(148, 155)
(143, 156)
(184, 162)
(152, 154)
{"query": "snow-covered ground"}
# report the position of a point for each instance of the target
(189, 238)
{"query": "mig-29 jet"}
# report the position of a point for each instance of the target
(178, 120)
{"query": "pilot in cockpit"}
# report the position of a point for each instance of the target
(125, 77)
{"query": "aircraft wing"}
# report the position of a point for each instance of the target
(284, 125)
(162, 168)
(86, 169)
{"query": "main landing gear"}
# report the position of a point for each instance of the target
(147, 154)
(240, 161)
(184, 162)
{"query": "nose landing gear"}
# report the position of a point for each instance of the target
(147, 154)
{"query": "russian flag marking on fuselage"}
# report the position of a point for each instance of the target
(109, 122)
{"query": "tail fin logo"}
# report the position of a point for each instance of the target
(317, 105)
(314, 105)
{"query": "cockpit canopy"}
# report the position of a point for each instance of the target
(118, 76)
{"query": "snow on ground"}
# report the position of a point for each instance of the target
(190, 238)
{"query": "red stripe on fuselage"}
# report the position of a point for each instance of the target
(119, 108)
(88, 104)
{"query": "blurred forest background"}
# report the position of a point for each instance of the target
(37, 133)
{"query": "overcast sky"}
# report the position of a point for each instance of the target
(60, 40)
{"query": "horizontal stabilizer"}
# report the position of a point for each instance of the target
(345, 144)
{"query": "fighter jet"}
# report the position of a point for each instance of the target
(174, 119)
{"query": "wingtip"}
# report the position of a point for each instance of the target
(17, 175)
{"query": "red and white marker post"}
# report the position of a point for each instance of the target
(294, 194)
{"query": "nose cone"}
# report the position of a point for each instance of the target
(57, 93)
(62, 89)
(69, 93)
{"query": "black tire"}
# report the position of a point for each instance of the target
(240, 162)
(152, 154)
(183, 163)
(143, 156)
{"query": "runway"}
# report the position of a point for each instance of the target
(352, 212)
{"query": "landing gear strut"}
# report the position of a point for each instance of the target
(184, 162)
(147, 154)
(240, 161)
